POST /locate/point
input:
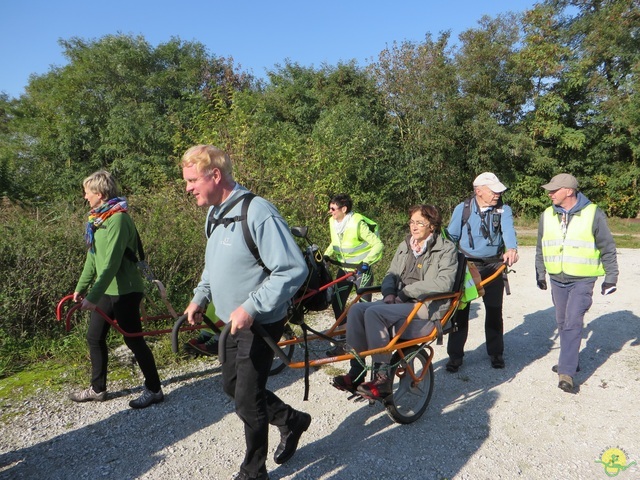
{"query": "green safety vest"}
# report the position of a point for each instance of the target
(469, 290)
(349, 247)
(575, 254)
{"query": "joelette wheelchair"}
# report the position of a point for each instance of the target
(411, 363)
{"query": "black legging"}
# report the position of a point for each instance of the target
(343, 289)
(126, 310)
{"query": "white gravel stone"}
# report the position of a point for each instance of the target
(481, 423)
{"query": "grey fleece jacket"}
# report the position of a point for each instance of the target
(604, 243)
(232, 276)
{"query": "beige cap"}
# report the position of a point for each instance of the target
(488, 179)
(562, 180)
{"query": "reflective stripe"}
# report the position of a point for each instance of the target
(348, 247)
(575, 253)
(351, 250)
(352, 258)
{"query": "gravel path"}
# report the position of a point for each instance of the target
(481, 423)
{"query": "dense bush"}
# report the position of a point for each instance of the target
(42, 252)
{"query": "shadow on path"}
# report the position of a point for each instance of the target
(454, 427)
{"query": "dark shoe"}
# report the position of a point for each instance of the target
(565, 383)
(554, 369)
(197, 346)
(336, 351)
(147, 398)
(497, 361)
(345, 383)
(289, 441)
(245, 476)
(88, 395)
(453, 365)
(378, 389)
(339, 348)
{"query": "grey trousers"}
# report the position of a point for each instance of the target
(572, 302)
(368, 326)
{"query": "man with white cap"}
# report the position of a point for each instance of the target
(574, 247)
(482, 226)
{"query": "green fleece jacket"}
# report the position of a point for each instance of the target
(108, 269)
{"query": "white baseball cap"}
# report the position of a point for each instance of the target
(488, 179)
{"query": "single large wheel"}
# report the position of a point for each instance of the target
(410, 399)
(278, 365)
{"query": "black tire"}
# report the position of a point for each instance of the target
(278, 365)
(409, 401)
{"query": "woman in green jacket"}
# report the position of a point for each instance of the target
(116, 288)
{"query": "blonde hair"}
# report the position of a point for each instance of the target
(206, 158)
(102, 183)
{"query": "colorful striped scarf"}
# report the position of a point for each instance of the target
(98, 215)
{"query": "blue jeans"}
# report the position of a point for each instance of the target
(245, 372)
(572, 302)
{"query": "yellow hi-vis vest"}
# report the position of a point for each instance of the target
(575, 254)
(348, 247)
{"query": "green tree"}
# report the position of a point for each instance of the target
(119, 104)
(584, 115)
(420, 90)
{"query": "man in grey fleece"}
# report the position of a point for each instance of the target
(246, 292)
(574, 247)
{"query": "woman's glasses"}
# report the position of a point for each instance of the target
(418, 223)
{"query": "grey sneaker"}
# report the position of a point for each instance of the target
(88, 395)
(147, 398)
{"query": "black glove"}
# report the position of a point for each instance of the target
(542, 284)
(608, 288)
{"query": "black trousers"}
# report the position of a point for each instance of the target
(245, 372)
(342, 290)
(493, 323)
(126, 310)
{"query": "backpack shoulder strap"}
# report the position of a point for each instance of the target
(131, 255)
(373, 226)
(248, 239)
(212, 223)
(466, 213)
(242, 218)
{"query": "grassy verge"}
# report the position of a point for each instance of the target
(625, 231)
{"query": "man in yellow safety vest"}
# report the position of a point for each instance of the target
(574, 247)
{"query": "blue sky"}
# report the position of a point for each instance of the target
(258, 35)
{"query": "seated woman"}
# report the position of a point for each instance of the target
(424, 263)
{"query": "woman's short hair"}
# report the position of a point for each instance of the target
(429, 212)
(342, 200)
(206, 158)
(102, 183)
